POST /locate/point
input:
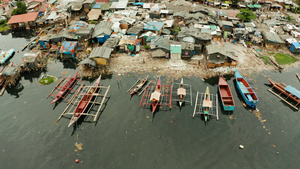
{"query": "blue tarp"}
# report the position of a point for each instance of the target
(68, 48)
(293, 90)
(97, 6)
(294, 46)
(138, 3)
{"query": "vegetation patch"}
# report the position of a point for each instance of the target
(284, 59)
(47, 80)
(3, 25)
(266, 59)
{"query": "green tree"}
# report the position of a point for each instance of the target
(246, 14)
(21, 8)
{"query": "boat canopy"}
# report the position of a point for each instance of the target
(293, 90)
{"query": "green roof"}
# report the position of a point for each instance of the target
(175, 48)
(213, 27)
(256, 6)
(250, 6)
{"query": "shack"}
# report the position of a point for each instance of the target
(272, 40)
(31, 61)
(24, 20)
(102, 31)
(217, 55)
(175, 51)
(101, 55)
(112, 43)
(155, 27)
(68, 50)
(295, 47)
(87, 5)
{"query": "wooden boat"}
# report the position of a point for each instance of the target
(138, 86)
(226, 95)
(83, 104)
(181, 92)
(207, 104)
(289, 91)
(64, 89)
(155, 96)
(245, 90)
(5, 55)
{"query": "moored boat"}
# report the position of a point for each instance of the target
(138, 86)
(82, 105)
(64, 89)
(289, 91)
(5, 55)
(207, 104)
(245, 90)
(226, 95)
(155, 96)
(181, 92)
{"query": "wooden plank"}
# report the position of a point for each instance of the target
(195, 105)
(298, 76)
(95, 118)
(3, 89)
(283, 99)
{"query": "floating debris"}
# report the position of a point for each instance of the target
(241, 146)
(78, 146)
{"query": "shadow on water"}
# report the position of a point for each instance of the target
(27, 34)
(215, 80)
(70, 64)
(32, 75)
(15, 90)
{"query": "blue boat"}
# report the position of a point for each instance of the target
(245, 90)
(5, 55)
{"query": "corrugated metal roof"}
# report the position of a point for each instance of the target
(102, 28)
(105, 6)
(23, 18)
(296, 44)
(122, 4)
(152, 25)
(136, 29)
(100, 52)
(94, 14)
(88, 61)
(214, 48)
(272, 37)
(111, 42)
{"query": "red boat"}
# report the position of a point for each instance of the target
(155, 96)
(65, 88)
(85, 101)
(226, 95)
(288, 91)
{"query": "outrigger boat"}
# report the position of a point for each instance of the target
(5, 55)
(245, 90)
(207, 104)
(155, 96)
(181, 92)
(83, 104)
(138, 86)
(64, 89)
(289, 91)
(226, 95)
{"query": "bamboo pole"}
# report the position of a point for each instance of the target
(283, 99)
(298, 76)
(95, 118)
(134, 84)
(195, 105)
(54, 89)
(75, 94)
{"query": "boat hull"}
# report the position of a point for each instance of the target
(10, 52)
(246, 91)
(226, 95)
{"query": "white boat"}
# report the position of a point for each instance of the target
(4, 55)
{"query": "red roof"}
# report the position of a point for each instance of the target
(3, 1)
(44, 7)
(102, 1)
(23, 18)
(36, 1)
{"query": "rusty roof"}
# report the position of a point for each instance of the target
(23, 18)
